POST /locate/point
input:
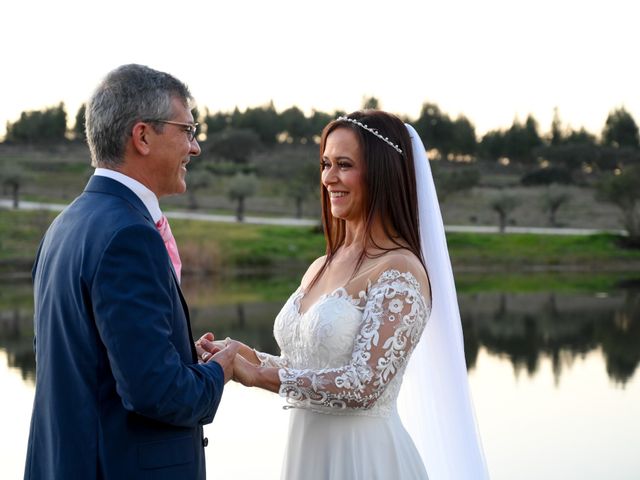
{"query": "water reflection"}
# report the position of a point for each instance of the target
(16, 328)
(523, 327)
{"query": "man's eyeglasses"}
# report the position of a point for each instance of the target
(190, 128)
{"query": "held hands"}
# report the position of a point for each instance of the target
(207, 346)
(222, 352)
(242, 366)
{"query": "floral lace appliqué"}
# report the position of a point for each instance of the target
(393, 316)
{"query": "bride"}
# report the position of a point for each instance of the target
(347, 333)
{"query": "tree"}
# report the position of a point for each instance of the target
(303, 181)
(216, 122)
(236, 145)
(199, 179)
(546, 176)
(38, 127)
(554, 198)
(557, 136)
(79, 132)
(265, 121)
(492, 145)
(370, 103)
(13, 177)
(317, 122)
(504, 204)
(459, 180)
(620, 130)
(435, 128)
(521, 140)
(580, 137)
(464, 137)
(624, 192)
(240, 187)
(295, 125)
(567, 157)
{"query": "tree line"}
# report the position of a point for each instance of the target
(448, 138)
(261, 142)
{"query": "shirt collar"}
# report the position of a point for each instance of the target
(143, 193)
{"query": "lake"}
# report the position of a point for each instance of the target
(552, 360)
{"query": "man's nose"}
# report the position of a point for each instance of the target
(195, 148)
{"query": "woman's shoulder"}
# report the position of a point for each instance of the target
(402, 263)
(313, 270)
(402, 259)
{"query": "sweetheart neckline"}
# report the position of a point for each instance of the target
(300, 293)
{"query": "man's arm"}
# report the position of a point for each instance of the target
(133, 300)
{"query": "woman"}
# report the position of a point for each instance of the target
(347, 333)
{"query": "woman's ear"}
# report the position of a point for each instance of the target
(141, 137)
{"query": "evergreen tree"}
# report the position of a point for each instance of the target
(620, 130)
(79, 132)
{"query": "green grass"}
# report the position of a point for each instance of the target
(559, 282)
(221, 247)
(224, 245)
(530, 250)
(20, 234)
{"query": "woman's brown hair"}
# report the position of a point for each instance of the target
(390, 187)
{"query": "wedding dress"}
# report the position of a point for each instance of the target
(341, 366)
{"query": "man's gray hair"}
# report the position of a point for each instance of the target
(127, 95)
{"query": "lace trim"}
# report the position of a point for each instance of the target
(364, 380)
(341, 292)
(267, 360)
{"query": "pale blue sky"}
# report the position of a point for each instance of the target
(491, 60)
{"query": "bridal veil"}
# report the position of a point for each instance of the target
(435, 402)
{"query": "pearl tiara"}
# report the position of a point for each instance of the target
(372, 130)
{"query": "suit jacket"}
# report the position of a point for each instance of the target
(119, 393)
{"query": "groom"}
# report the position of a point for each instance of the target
(119, 390)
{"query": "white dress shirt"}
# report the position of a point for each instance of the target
(143, 193)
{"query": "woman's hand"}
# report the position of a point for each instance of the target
(207, 346)
(244, 372)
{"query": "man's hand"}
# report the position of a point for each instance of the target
(206, 347)
(225, 358)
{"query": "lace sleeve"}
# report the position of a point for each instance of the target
(393, 319)
(268, 360)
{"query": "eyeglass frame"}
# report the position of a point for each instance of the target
(192, 127)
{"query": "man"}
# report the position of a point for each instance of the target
(119, 391)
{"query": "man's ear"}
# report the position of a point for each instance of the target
(141, 138)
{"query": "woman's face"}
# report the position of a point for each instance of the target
(343, 174)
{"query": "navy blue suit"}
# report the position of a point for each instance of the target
(119, 392)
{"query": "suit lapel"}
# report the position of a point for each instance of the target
(109, 186)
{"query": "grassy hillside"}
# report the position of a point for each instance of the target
(59, 173)
(216, 248)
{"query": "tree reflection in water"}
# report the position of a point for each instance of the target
(526, 327)
(523, 327)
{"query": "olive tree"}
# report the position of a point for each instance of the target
(623, 191)
(503, 205)
(241, 186)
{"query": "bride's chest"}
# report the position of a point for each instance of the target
(322, 336)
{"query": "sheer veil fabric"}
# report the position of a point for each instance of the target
(434, 402)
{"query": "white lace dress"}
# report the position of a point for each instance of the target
(341, 368)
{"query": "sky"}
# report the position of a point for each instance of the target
(490, 60)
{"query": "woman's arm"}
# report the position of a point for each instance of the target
(251, 375)
(394, 317)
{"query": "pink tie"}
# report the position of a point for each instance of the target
(170, 242)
